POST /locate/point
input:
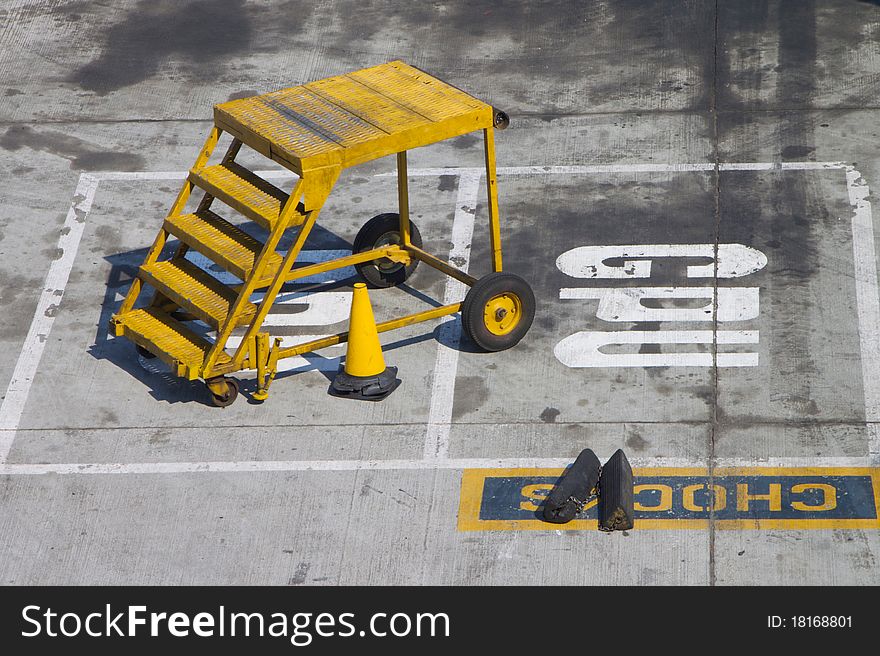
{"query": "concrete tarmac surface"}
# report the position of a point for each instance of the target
(689, 187)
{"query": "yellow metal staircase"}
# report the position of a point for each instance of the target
(315, 130)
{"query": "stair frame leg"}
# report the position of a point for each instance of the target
(492, 192)
(261, 355)
(403, 199)
(265, 378)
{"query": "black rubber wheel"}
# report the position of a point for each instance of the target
(144, 353)
(221, 401)
(498, 311)
(379, 231)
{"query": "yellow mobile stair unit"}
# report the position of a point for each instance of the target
(315, 130)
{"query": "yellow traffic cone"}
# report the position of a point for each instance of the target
(365, 375)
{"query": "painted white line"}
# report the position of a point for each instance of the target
(868, 300)
(446, 362)
(268, 466)
(176, 175)
(874, 444)
(44, 316)
(629, 168)
(520, 170)
(115, 176)
(781, 166)
(627, 303)
(584, 349)
(276, 466)
(557, 170)
(797, 461)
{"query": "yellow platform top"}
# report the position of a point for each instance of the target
(350, 119)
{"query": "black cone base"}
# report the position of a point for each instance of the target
(572, 492)
(364, 388)
(616, 494)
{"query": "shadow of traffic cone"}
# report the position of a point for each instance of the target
(364, 375)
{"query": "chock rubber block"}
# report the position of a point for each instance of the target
(364, 388)
(616, 511)
(571, 493)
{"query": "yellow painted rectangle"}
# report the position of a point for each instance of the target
(673, 498)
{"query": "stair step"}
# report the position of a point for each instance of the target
(221, 241)
(244, 191)
(195, 290)
(168, 339)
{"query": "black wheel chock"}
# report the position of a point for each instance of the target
(570, 494)
(616, 511)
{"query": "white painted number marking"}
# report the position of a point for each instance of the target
(628, 303)
(734, 260)
(583, 349)
(660, 304)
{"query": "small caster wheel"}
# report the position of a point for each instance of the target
(227, 398)
(498, 311)
(383, 230)
(144, 353)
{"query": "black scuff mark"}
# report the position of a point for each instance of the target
(796, 218)
(447, 183)
(82, 154)
(739, 85)
(299, 576)
(465, 141)
(471, 394)
(635, 441)
(244, 93)
(205, 33)
(797, 152)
